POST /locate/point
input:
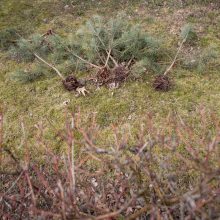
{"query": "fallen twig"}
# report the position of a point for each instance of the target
(14, 183)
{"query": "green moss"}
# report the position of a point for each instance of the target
(27, 15)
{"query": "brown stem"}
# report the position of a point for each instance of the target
(139, 212)
(14, 183)
(30, 186)
(117, 212)
(1, 136)
(62, 199)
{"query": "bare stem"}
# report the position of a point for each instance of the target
(108, 52)
(73, 167)
(140, 212)
(14, 183)
(85, 61)
(106, 62)
(62, 198)
(1, 136)
(30, 186)
(50, 65)
(175, 58)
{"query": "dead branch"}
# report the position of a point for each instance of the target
(140, 212)
(83, 60)
(14, 183)
(1, 136)
(50, 65)
(109, 54)
(107, 51)
(175, 58)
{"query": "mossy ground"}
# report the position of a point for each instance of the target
(43, 99)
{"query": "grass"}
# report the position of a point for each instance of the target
(30, 107)
(43, 99)
(40, 101)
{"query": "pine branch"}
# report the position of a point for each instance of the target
(85, 61)
(175, 58)
(106, 62)
(107, 51)
(50, 65)
(82, 59)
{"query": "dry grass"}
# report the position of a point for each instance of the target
(161, 172)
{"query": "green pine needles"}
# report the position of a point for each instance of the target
(96, 45)
(125, 41)
(8, 38)
(25, 76)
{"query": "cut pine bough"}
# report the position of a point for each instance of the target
(113, 57)
(111, 54)
(105, 75)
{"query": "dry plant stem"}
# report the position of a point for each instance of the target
(10, 153)
(31, 187)
(14, 183)
(23, 136)
(140, 212)
(115, 213)
(62, 198)
(112, 58)
(73, 167)
(46, 214)
(175, 58)
(80, 58)
(71, 155)
(118, 212)
(1, 136)
(100, 57)
(129, 62)
(85, 61)
(50, 65)
(161, 199)
(109, 54)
